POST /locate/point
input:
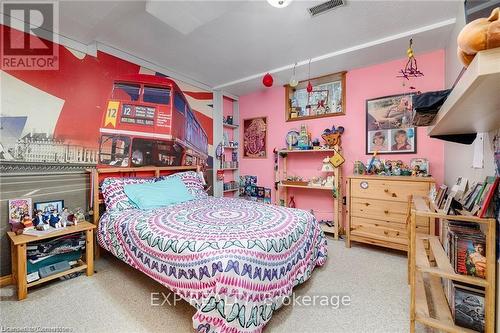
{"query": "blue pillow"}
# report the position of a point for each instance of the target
(160, 194)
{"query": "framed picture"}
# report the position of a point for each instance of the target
(326, 100)
(19, 208)
(388, 127)
(49, 206)
(255, 137)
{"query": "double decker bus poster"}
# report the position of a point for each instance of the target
(101, 111)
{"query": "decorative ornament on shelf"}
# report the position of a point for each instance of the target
(267, 80)
(279, 3)
(327, 166)
(293, 80)
(411, 68)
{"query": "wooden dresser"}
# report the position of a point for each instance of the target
(378, 206)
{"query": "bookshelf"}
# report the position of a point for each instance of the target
(336, 190)
(429, 264)
(226, 105)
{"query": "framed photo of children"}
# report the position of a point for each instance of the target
(255, 137)
(388, 126)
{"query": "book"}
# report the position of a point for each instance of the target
(488, 193)
(465, 246)
(467, 307)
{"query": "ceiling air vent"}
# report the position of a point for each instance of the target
(325, 6)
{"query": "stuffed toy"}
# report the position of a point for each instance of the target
(332, 136)
(478, 35)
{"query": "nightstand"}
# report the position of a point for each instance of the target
(18, 245)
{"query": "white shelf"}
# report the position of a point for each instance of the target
(231, 190)
(473, 106)
(228, 169)
(230, 126)
(228, 147)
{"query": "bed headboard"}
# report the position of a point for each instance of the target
(99, 174)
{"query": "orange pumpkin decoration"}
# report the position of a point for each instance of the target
(478, 35)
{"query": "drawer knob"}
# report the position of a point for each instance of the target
(386, 211)
(394, 195)
(386, 190)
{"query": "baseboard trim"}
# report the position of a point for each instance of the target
(5, 280)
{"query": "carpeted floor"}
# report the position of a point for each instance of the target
(118, 299)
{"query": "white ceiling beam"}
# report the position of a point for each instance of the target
(333, 54)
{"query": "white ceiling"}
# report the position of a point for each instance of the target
(229, 45)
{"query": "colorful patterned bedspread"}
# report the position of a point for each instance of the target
(234, 260)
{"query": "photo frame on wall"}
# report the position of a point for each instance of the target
(255, 137)
(327, 99)
(388, 125)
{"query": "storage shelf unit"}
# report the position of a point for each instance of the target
(219, 128)
(337, 207)
(428, 264)
(473, 105)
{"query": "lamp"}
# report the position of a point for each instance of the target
(279, 3)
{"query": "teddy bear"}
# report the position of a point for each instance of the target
(332, 136)
(478, 35)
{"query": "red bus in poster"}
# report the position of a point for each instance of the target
(148, 121)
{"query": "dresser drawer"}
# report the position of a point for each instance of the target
(383, 230)
(379, 209)
(383, 189)
(422, 225)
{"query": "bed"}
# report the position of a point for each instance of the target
(234, 260)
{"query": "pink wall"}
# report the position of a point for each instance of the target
(362, 84)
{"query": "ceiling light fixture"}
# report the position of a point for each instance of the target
(279, 3)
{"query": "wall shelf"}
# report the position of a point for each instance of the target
(308, 186)
(231, 190)
(225, 105)
(473, 105)
(286, 151)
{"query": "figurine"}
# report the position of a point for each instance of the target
(55, 220)
(79, 216)
(332, 136)
(328, 182)
(327, 166)
(27, 222)
(291, 204)
(64, 217)
(39, 218)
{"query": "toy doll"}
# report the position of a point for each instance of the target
(55, 220)
(64, 217)
(27, 222)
